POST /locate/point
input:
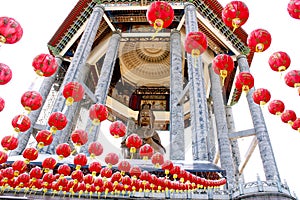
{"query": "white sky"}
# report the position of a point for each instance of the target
(40, 20)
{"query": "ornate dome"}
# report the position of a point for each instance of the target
(146, 62)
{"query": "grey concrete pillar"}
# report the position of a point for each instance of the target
(103, 84)
(177, 144)
(198, 102)
(234, 145)
(222, 129)
(262, 135)
(78, 62)
(44, 90)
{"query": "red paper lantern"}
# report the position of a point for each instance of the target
(10, 30)
(43, 138)
(292, 78)
(116, 178)
(9, 143)
(5, 73)
(276, 107)
(279, 61)
(296, 125)
(77, 176)
(80, 160)
(30, 154)
(146, 151)
(23, 180)
(7, 173)
(79, 137)
(133, 142)
(175, 171)
(63, 150)
(244, 81)
(261, 96)
(21, 123)
(117, 129)
(48, 163)
(288, 116)
(195, 43)
(35, 173)
(44, 65)
(106, 172)
(160, 14)
(57, 121)
(223, 65)
(111, 159)
(2, 104)
(3, 157)
(293, 9)
(95, 149)
(124, 166)
(73, 92)
(135, 171)
(157, 159)
(235, 14)
(95, 167)
(259, 40)
(167, 166)
(31, 100)
(19, 166)
(64, 170)
(98, 113)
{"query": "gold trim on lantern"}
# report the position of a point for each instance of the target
(236, 23)
(160, 26)
(259, 47)
(281, 68)
(69, 101)
(2, 39)
(223, 74)
(39, 72)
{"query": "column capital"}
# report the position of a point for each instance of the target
(173, 31)
(99, 5)
(186, 4)
(241, 56)
(116, 32)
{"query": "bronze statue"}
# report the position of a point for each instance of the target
(145, 129)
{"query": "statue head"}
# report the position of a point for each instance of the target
(146, 116)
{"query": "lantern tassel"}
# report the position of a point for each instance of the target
(158, 25)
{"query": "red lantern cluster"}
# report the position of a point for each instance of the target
(261, 96)
(10, 30)
(235, 14)
(73, 92)
(223, 65)
(259, 40)
(279, 61)
(5, 74)
(292, 78)
(31, 100)
(195, 43)
(160, 14)
(117, 129)
(293, 9)
(44, 65)
(98, 113)
(244, 81)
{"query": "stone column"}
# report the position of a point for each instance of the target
(177, 145)
(198, 103)
(103, 84)
(222, 129)
(234, 145)
(44, 90)
(79, 61)
(262, 135)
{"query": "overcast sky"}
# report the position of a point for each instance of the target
(40, 20)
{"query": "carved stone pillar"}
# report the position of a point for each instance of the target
(234, 145)
(262, 135)
(44, 90)
(198, 103)
(222, 129)
(177, 145)
(78, 62)
(103, 84)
